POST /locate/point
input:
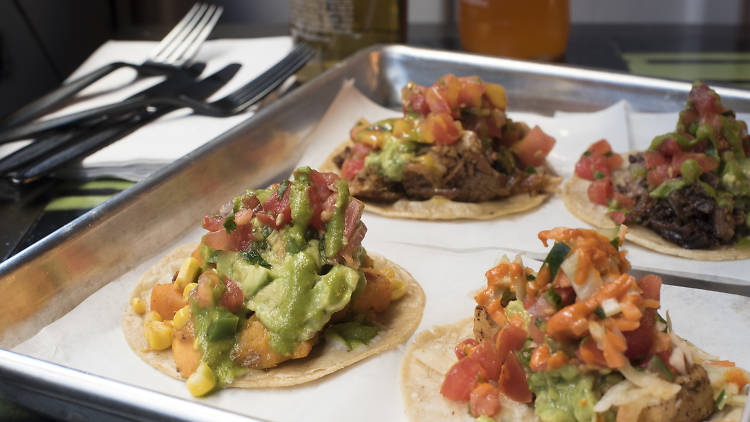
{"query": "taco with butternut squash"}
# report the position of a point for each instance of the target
(453, 155)
(579, 340)
(278, 292)
(687, 195)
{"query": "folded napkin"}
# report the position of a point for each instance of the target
(167, 139)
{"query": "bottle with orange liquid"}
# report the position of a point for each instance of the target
(524, 29)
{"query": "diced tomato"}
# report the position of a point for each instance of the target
(352, 215)
(510, 339)
(462, 348)
(351, 167)
(243, 216)
(413, 99)
(484, 400)
(639, 341)
(471, 93)
(706, 163)
(614, 161)
(623, 201)
(657, 175)
(232, 298)
(441, 129)
(461, 379)
(600, 147)
(212, 222)
(487, 356)
(588, 166)
(359, 150)
(600, 191)
(532, 150)
(651, 286)
(705, 100)
(275, 206)
(355, 240)
(653, 159)
(567, 294)
(435, 100)
(617, 216)
(237, 240)
(669, 147)
(513, 381)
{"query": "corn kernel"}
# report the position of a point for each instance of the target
(153, 316)
(158, 335)
(398, 289)
(139, 306)
(188, 288)
(188, 272)
(181, 317)
(201, 381)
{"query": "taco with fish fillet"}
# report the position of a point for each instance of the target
(278, 292)
(579, 340)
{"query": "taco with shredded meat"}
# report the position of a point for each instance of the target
(579, 340)
(278, 292)
(687, 195)
(454, 154)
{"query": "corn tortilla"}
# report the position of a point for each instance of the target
(441, 208)
(397, 324)
(425, 363)
(577, 201)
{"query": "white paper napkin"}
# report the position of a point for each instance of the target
(177, 133)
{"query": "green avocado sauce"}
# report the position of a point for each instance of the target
(299, 203)
(392, 157)
(564, 394)
(298, 302)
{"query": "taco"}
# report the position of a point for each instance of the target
(278, 292)
(454, 154)
(579, 340)
(687, 195)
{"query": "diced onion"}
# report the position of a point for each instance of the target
(610, 306)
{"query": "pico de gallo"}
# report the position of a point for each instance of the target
(692, 186)
(582, 340)
(278, 270)
(454, 140)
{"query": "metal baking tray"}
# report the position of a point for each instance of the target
(47, 280)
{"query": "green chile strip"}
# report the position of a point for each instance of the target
(334, 237)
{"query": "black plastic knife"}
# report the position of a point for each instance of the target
(49, 144)
(104, 134)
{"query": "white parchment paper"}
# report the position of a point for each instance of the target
(448, 259)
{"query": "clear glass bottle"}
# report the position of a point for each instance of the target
(338, 28)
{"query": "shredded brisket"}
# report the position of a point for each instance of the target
(465, 171)
(688, 217)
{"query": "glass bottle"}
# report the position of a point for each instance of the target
(338, 28)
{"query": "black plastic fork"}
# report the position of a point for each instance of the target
(237, 102)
